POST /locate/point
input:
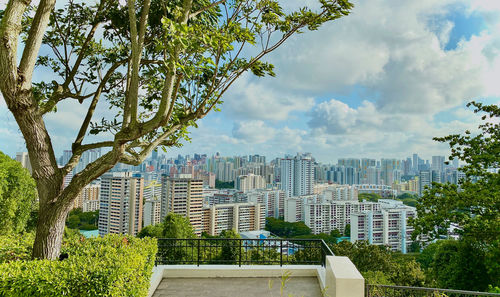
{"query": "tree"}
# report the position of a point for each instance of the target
(17, 196)
(347, 230)
(177, 226)
(151, 231)
(474, 204)
(160, 66)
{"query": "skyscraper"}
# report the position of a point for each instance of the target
(24, 159)
(183, 195)
(297, 175)
(437, 163)
(120, 200)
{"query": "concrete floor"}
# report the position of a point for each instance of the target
(237, 287)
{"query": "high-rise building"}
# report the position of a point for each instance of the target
(387, 225)
(415, 163)
(24, 159)
(183, 195)
(297, 175)
(391, 171)
(240, 217)
(273, 201)
(88, 198)
(120, 198)
(249, 182)
(152, 211)
(425, 179)
(328, 215)
(437, 163)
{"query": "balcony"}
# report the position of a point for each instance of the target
(252, 267)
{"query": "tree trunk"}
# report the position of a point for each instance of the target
(49, 232)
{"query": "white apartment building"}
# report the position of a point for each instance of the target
(341, 193)
(328, 215)
(120, 203)
(240, 217)
(183, 195)
(385, 226)
(273, 201)
(294, 207)
(90, 205)
(249, 182)
(297, 175)
(152, 211)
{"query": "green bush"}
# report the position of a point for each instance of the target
(16, 247)
(110, 266)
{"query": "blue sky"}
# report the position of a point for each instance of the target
(379, 83)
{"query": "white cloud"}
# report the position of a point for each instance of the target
(253, 132)
(252, 100)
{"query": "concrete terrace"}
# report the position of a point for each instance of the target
(237, 286)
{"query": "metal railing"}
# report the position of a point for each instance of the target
(202, 251)
(404, 291)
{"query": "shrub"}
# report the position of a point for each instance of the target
(110, 266)
(16, 247)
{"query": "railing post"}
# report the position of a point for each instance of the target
(241, 242)
(281, 252)
(198, 259)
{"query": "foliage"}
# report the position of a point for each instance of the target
(111, 266)
(177, 226)
(151, 231)
(224, 185)
(286, 229)
(82, 220)
(160, 66)
(17, 195)
(474, 205)
(379, 264)
(230, 249)
(16, 247)
(458, 264)
(369, 197)
(347, 230)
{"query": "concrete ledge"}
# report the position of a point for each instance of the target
(186, 271)
(156, 278)
(342, 278)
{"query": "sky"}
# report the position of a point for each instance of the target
(379, 83)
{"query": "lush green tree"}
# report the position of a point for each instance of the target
(224, 185)
(231, 249)
(159, 65)
(151, 231)
(77, 219)
(17, 196)
(458, 264)
(286, 229)
(369, 197)
(379, 264)
(177, 226)
(474, 205)
(347, 230)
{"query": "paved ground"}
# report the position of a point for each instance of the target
(237, 287)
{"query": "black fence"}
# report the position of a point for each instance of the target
(202, 251)
(402, 291)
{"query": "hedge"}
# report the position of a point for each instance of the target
(114, 265)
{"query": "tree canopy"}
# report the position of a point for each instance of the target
(158, 65)
(474, 204)
(17, 196)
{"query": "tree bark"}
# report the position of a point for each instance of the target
(49, 232)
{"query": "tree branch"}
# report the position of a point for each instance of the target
(194, 14)
(34, 41)
(10, 28)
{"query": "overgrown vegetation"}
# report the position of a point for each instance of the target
(224, 185)
(77, 219)
(111, 266)
(17, 196)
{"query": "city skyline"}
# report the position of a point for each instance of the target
(388, 86)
